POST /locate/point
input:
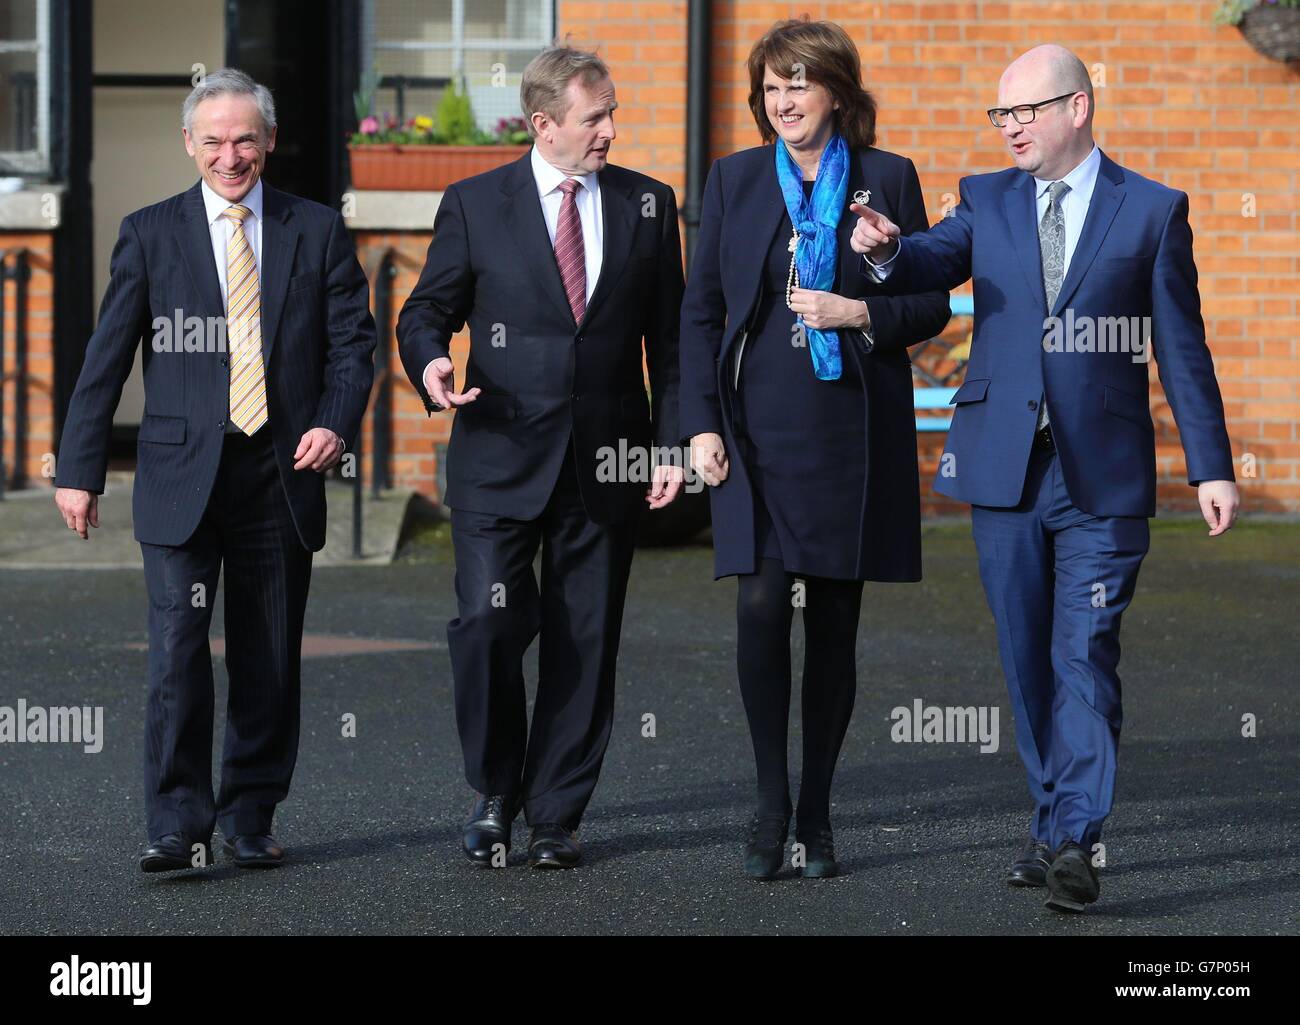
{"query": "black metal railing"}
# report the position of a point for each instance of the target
(400, 83)
(19, 272)
(381, 409)
(381, 414)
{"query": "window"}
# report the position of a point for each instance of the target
(412, 49)
(24, 86)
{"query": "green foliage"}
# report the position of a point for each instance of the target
(452, 124)
(1230, 12)
(456, 119)
(363, 100)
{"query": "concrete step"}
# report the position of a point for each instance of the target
(33, 535)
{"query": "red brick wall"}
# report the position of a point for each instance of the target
(1184, 101)
(415, 434)
(38, 383)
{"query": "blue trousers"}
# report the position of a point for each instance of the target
(1057, 581)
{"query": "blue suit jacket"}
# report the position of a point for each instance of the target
(1133, 260)
(318, 339)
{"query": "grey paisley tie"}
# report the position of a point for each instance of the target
(1051, 244)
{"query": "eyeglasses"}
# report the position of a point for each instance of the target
(1025, 113)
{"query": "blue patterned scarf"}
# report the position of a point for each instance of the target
(816, 219)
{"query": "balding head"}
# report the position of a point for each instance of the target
(1060, 136)
(1048, 67)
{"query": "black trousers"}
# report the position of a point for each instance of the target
(578, 611)
(247, 527)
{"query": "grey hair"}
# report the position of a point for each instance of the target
(229, 82)
(547, 77)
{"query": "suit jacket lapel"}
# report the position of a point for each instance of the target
(1107, 195)
(849, 262)
(194, 238)
(279, 241)
(766, 208)
(524, 220)
(619, 212)
(1022, 226)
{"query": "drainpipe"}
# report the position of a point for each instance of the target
(698, 102)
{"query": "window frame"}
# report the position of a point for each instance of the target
(457, 46)
(33, 163)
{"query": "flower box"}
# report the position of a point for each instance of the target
(423, 168)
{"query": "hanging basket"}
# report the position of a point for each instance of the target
(1273, 31)
(424, 168)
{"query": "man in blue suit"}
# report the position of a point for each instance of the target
(1072, 258)
(256, 377)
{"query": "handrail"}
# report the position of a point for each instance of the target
(19, 273)
(381, 411)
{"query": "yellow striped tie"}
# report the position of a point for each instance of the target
(244, 329)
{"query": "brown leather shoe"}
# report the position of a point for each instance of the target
(553, 846)
(253, 850)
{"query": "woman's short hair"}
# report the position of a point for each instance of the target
(820, 52)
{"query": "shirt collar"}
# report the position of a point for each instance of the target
(217, 205)
(1081, 179)
(549, 177)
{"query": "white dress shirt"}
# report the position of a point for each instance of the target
(549, 179)
(590, 213)
(223, 229)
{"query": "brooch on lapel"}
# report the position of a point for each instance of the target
(862, 197)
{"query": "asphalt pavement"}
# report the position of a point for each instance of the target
(1203, 839)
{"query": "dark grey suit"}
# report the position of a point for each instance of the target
(522, 467)
(204, 497)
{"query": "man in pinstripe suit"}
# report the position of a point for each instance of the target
(241, 419)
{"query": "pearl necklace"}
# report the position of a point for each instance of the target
(862, 197)
(792, 277)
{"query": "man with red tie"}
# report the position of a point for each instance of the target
(562, 265)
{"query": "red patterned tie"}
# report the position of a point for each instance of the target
(570, 253)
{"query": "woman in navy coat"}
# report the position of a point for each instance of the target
(796, 395)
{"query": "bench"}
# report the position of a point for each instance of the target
(930, 400)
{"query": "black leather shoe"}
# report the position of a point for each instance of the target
(818, 854)
(1072, 881)
(490, 817)
(170, 853)
(253, 850)
(1030, 868)
(765, 850)
(553, 846)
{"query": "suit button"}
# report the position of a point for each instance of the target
(221, 425)
(1033, 404)
(223, 361)
(575, 396)
(577, 338)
